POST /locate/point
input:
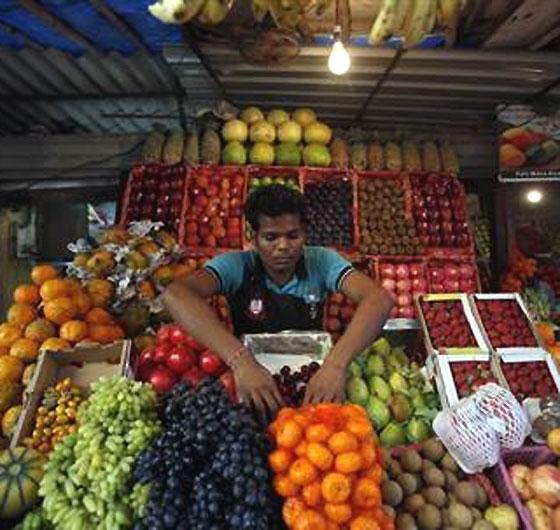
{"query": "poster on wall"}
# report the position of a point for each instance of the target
(529, 143)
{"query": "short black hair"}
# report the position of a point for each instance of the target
(273, 200)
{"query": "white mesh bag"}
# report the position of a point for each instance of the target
(474, 430)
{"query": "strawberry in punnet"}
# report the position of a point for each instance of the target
(506, 324)
(529, 379)
(470, 376)
(447, 325)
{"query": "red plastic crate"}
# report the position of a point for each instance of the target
(532, 456)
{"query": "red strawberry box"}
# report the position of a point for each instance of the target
(459, 377)
(449, 325)
(534, 375)
(506, 323)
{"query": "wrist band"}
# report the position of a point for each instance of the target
(236, 356)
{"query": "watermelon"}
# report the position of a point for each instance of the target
(21, 470)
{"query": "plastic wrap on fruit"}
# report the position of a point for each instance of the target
(503, 517)
(549, 417)
(393, 435)
(290, 342)
(418, 430)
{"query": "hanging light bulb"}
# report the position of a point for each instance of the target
(339, 58)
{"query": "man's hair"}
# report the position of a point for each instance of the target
(273, 201)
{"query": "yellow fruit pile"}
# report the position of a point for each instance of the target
(56, 417)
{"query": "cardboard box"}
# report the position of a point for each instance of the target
(444, 376)
(539, 349)
(483, 347)
(83, 365)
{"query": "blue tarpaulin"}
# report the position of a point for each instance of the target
(86, 20)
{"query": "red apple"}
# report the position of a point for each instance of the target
(403, 285)
(389, 284)
(387, 270)
(416, 270)
(401, 271)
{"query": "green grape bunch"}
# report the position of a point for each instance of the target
(88, 482)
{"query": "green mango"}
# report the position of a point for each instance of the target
(379, 387)
(432, 400)
(400, 408)
(393, 435)
(399, 354)
(357, 391)
(381, 347)
(398, 382)
(418, 430)
(417, 401)
(378, 413)
(355, 369)
(375, 365)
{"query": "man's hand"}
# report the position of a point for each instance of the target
(256, 388)
(327, 385)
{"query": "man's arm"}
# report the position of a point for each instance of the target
(186, 301)
(373, 307)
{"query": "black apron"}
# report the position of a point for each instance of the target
(257, 309)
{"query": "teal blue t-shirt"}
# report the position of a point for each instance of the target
(319, 272)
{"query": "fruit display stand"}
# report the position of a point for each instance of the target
(506, 323)
(82, 365)
(450, 319)
(452, 274)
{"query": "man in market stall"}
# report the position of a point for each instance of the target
(280, 285)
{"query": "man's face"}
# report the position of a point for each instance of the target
(280, 241)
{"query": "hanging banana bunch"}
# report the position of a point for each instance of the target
(207, 12)
(447, 19)
(420, 21)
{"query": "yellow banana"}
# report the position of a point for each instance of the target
(214, 11)
(260, 9)
(384, 24)
(448, 13)
(420, 22)
(401, 15)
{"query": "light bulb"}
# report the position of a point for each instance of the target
(339, 59)
(534, 196)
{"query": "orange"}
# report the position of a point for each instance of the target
(374, 473)
(364, 522)
(25, 349)
(301, 419)
(55, 288)
(100, 291)
(105, 334)
(55, 344)
(146, 289)
(301, 449)
(342, 442)
(289, 434)
(280, 460)
(339, 513)
(282, 485)
(163, 275)
(83, 303)
(360, 427)
(310, 520)
(9, 334)
(319, 456)
(27, 294)
(366, 493)
(73, 331)
(4, 350)
(11, 368)
(312, 494)
(40, 330)
(41, 273)
(318, 433)
(21, 314)
(98, 315)
(291, 510)
(369, 455)
(302, 472)
(60, 310)
(335, 487)
(348, 462)
(285, 413)
(331, 525)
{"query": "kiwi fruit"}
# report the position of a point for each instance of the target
(405, 521)
(389, 510)
(481, 497)
(433, 450)
(477, 514)
(414, 502)
(435, 495)
(483, 524)
(394, 468)
(429, 517)
(450, 480)
(447, 462)
(409, 483)
(434, 477)
(460, 516)
(392, 493)
(427, 464)
(450, 528)
(466, 493)
(411, 461)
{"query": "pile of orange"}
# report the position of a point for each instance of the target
(327, 467)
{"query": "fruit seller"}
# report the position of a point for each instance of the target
(280, 285)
